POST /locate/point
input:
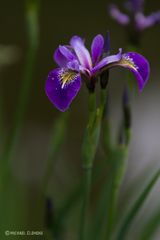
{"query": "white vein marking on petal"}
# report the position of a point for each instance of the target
(66, 77)
(126, 60)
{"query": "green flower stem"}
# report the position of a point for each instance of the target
(116, 158)
(32, 10)
(88, 153)
(89, 148)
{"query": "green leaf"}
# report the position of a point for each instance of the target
(151, 226)
(136, 207)
(106, 209)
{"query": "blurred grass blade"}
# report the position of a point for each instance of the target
(132, 190)
(57, 139)
(32, 24)
(151, 226)
(106, 210)
(100, 215)
(1, 120)
(7, 188)
(71, 201)
(136, 207)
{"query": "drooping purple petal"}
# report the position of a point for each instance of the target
(97, 48)
(117, 15)
(62, 86)
(143, 22)
(81, 51)
(105, 62)
(137, 64)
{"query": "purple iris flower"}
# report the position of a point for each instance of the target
(136, 14)
(75, 61)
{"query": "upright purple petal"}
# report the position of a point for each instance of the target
(63, 55)
(67, 53)
(59, 58)
(62, 86)
(117, 15)
(105, 62)
(81, 51)
(137, 64)
(97, 48)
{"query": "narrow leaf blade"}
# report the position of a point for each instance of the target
(136, 207)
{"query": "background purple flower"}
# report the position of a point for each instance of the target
(135, 13)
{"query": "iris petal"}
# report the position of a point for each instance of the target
(143, 22)
(73, 65)
(67, 53)
(59, 58)
(117, 15)
(97, 48)
(137, 64)
(104, 63)
(81, 51)
(62, 55)
(62, 86)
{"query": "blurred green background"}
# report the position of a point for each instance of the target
(58, 22)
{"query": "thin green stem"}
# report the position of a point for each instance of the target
(32, 27)
(87, 161)
(88, 153)
(89, 149)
